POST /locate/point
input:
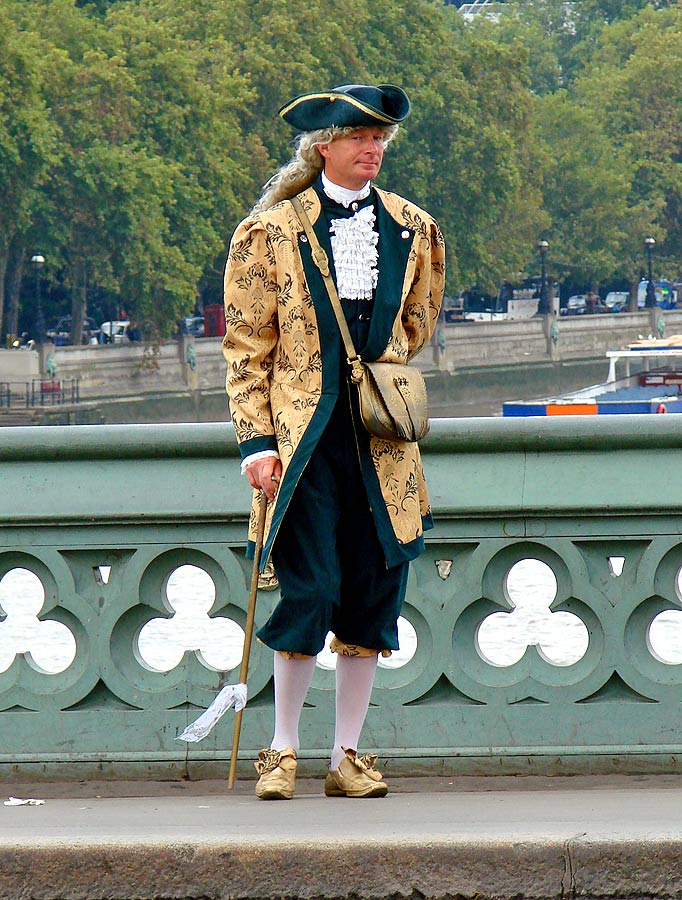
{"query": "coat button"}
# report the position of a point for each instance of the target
(304, 239)
(405, 234)
(354, 207)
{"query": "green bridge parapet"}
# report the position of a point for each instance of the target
(101, 517)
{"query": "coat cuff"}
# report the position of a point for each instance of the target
(253, 457)
(257, 444)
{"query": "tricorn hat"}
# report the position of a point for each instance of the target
(348, 106)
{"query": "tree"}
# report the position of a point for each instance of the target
(530, 39)
(189, 100)
(134, 134)
(561, 34)
(151, 153)
(490, 181)
(28, 139)
(585, 185)
(463, 153)
(635, 90)
(605, 145)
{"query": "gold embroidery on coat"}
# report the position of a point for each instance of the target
(280, 397)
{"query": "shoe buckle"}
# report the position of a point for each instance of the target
(268, 760)
(367, 761)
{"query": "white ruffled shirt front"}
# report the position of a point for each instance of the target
(354, 244)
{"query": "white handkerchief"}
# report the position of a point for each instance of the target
(229, 695)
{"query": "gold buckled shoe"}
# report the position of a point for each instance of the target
(355, 777)
(277, 771)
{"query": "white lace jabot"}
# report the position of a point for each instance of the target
(354, 244)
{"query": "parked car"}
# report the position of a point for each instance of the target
(617, 300)
(60, 334)
(193, 325)
(114, 332)
(575, 306)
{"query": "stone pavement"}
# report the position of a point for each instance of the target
(471, 837)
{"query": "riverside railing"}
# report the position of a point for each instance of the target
(98, 519)
(38, 392)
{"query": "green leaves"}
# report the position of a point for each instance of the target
(585, 184)
(135, 134)
(635, 90)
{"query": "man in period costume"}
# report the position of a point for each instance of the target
(347, 510)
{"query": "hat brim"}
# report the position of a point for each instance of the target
(340, 108)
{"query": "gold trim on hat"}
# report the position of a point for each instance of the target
(331, 97)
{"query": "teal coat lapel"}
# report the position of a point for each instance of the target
(395, 242)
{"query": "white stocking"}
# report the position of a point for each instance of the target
(354, 680)
(292, 680)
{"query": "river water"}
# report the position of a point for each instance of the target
(502, 637)
(469, 392)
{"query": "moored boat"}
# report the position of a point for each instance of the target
(655, 386)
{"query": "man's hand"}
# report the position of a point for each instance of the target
(266, 475)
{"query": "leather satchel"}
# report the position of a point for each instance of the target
(393, 402)
(392, 396)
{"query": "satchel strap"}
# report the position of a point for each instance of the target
(321, 260)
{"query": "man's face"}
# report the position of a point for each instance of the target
(352, 160)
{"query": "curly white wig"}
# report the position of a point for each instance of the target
(305, 165)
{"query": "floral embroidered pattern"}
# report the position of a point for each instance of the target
(234, 319)
(354, 650)
(396, 349)
(305, 403)
(240, 250)
(414, 219)
(277, 236)
(273, 351)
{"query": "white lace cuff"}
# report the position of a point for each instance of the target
(252, 457)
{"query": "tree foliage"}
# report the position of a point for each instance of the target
(28, 137)
(134, 134)
(635, 89)
(585, 185)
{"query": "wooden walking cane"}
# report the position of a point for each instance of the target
(248, 632)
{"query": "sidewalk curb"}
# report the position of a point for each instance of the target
(332, 871)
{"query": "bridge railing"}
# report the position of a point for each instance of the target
(113, 537)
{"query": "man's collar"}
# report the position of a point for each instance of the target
(344, 196)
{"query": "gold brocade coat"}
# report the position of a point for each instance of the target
(283, 350)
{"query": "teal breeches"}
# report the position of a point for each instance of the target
(328, 559)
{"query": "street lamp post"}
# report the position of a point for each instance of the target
(543, 305)
(38, 261)
(650, 302)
